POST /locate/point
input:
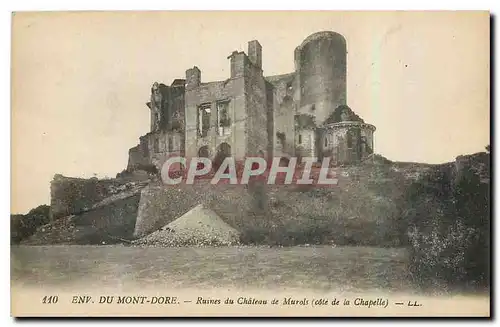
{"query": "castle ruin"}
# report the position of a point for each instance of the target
(302, 113)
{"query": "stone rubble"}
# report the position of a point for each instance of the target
(198, 227)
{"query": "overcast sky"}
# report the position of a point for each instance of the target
(80, 81)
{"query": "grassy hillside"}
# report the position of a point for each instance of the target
(365, 208)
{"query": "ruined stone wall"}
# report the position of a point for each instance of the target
(342, 145)
(256, 107)
(175, 105)
(169, 143)
(136, 158)
(231, 90)
(272, 103)
(156, 145)
(283, 114)
(139, 155)
(368, 148)
(170, 108)
(305, 143)
(335, 143)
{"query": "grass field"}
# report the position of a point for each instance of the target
(316, 268)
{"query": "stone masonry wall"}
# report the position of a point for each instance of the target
(231, 90)
(136, 158)
(283, 114)
(256, 107)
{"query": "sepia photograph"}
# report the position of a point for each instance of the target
(250, 164)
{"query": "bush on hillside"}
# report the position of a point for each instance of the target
(23, 226)
(449, 228)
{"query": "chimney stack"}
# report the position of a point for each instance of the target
(193, 77)
(255, 53)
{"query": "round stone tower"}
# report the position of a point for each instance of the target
(320, 63)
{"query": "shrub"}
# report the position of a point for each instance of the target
(23, 226)
(448, 229)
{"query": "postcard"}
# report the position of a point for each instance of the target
(250, 164)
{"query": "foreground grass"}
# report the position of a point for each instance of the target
(317, 268)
